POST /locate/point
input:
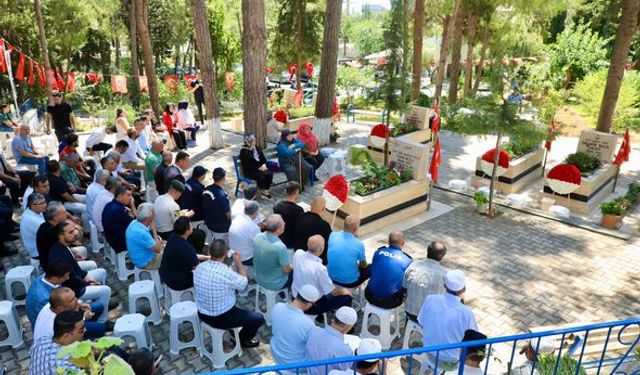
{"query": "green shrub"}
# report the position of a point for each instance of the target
(586, 162)
(480, 198)
(301, 112)
(516, 149)
(566, 365)
(611, 208)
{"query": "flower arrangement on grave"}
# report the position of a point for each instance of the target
(587, 163)
(488, 159)
(564, 178)
(378, 177)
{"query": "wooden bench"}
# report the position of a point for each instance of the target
(352, 112)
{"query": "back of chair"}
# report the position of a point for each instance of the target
(236, 166)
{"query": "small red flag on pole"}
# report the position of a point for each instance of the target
(3, 62)
(435, 124)
(624, 151)
(297, 99)
(551, 135)
(19, 76)
(436, 159)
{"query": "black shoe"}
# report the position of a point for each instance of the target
(109, 325)
(113, 305)
(5, 252)
(249, 343)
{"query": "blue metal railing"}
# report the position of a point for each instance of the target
(604, 350)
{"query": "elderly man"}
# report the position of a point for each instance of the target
(250, 193)
(86, 285)
(158, 175)
(215, 287)
(31, 220)
(243, 230)
(346, 259)
(179, 258)
(166, 211)
(151, 163)
(215, 202)
(116, 217)
(290, 212)
(309, 270)
(102, 200)
(68, 328)
(328, 343)
(40, 289)
(423, 278)
(127, 175)
(446, 318)
(310, 223)
(24, 152)
(68, 165)
(387, 273)
(133, 157)
(143, 243)
(95, 189)
(291, 328)
(271, 263)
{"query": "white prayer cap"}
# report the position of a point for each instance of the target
(347, 315)
(309, 292)
(369, 346)
(455, 280)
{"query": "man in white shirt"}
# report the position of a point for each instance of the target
(132, 156)
(446, 318)
(291, 328)
(95, 142)
(237, 209)
(31, 220)
(95, 189)
(102, 200)
(474, 355)
(242, 231)
(167, 210)
(309, 270)
(328, 343)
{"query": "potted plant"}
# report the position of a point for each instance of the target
(481, 202)
(611, 214)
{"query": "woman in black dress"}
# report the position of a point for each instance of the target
(254, 164)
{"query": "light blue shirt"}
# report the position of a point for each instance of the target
(37, 298)
(326, 343)
(140, 244)
(269, 256)
(444, 319)
(29, 224)
(291, 329)
(344, 254)
(20, 143)
(93, 191)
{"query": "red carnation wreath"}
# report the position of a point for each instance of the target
(486, 163)
(564, 178)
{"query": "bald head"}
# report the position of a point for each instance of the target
(315, 244)
(62, 299)
(436, 251)
(396, 239)
(351, 224)
(317, 204)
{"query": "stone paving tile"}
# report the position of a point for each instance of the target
(522, 271)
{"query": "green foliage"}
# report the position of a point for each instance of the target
(566, 366)
(351, 79)
(402, 128)
(517, 149)
(480, 198)
(586, 162)
(365, 33)
(611, 208)
(590, 91)
(225, 40)
(284, 35)
(90, 358)
(577, 52)
(166, 20)
(392, 80)
(378, 177)
(301, 112)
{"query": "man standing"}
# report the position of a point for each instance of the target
(25, 153)
(143, 243)
(151, 164)
(328, 343)
(215, 287)
(346, 259)
(198, 96)
(310, 223)
(179, 258)
(61, 116)
(68, 327)
(291, 328)
(446, 318)
(385, 288)
(423, 278)
(272, 266)
(243, 230)
(217, 210)
(290, 212)
(31, 220)
(116, 217)
(40, 290)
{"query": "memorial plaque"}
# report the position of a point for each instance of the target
(419, 117)
(602, 145)
(410, 154)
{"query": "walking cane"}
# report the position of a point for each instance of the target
(300, 169)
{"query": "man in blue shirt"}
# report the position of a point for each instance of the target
(143, 243)
(38, 295)
(116, 217)
(346, 259)
(385, 288)
(24, 152)
(215, 203)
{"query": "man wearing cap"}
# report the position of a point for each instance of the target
(474, 355)
(389, 263)
(217, 210)
(143, 243)
(291, 328)
(328, 342)
(446, 318)
(215, 286)
(367, 346)
(151, 163)
(192, 196)
(309, 270)
(61, 116)
(423, 278)
(179, 258)
(166, 210)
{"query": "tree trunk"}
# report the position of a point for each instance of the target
(105, 56)
(254, 63)
(405, 54)
(205, 61)
(133, 49)
(116, 46)
(329, 63)
(472, 25)
(624, 36)
(442, 59)
(483, 52)
(300, 20)
(456, 45)
(142, 17)
(43, 47)
(418, 28)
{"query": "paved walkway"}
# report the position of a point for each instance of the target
(522, 270)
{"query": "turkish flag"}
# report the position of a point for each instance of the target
(228, 80)
(297, 99)
(309, 68)
(435, 124)
(188, 78)
(20, 71)
(94, 78)
(71, 81)
(143, 83)
(119, 84)
(3, 62)
(551, 135)
(41, 77)
(31, 79)
(436, 159)
(625, 150)
(60, 81)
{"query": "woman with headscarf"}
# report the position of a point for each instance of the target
(289, 150)
(254, 164)
(311, 151)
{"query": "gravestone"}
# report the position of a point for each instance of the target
(419, 117)
(289, 97)
(601, 145)
(410, 154)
